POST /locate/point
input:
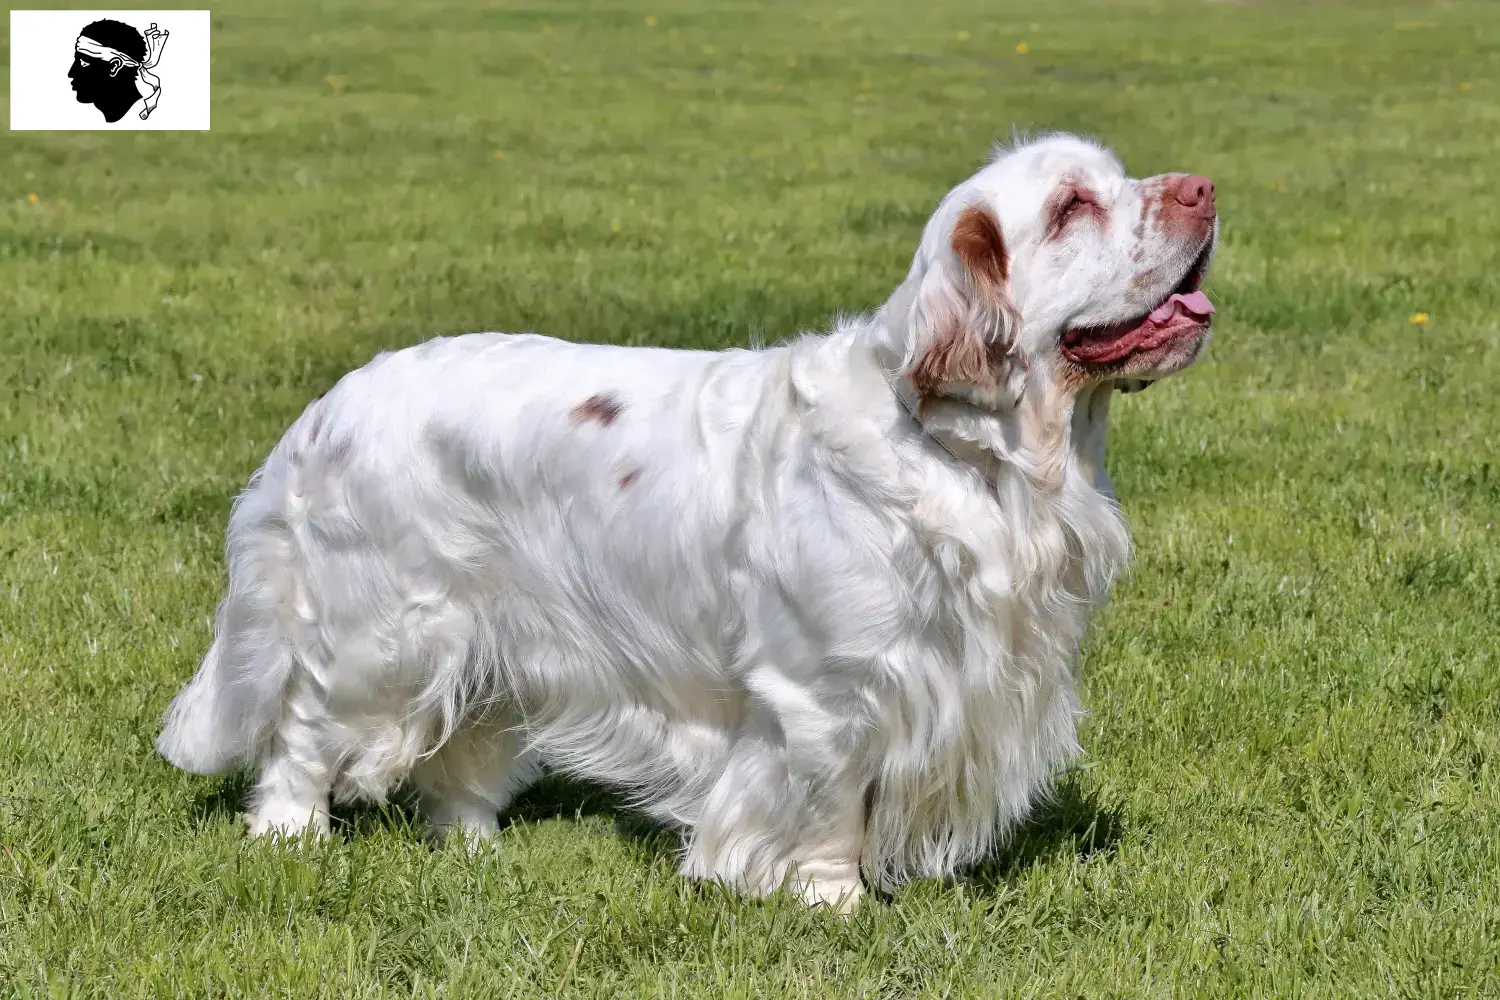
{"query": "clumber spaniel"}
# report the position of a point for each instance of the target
(816, 605)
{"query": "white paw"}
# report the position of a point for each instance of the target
(840, 895)
(835, 886)
(473, 825)
(288, 820)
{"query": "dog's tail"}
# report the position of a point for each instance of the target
(218, 723)
(215, 724)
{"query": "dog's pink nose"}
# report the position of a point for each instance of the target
(1196, 192)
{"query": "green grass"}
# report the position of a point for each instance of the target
(1293, 772)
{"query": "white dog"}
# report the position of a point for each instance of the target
(816, 605)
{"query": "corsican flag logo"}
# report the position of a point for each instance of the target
(112, 64)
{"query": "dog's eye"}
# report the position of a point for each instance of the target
(1069, 208)
(1065, 208)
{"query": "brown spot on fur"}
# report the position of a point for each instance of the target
(1144, 283)
(957, 357)
(600, 408)
(1151, 194)
(966, 316)
(965, 336)
(980, 246)
(628, 478)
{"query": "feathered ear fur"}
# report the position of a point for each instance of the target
(963, 325)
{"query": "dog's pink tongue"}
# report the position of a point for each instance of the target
(1195, 303)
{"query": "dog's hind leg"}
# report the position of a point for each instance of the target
(291, 794)
(470, 779)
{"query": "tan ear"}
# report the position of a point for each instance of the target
(962, 323)
(980, 248)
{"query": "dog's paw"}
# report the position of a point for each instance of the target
(836, 886)
(288, 821)
(840, 895)
(469, 824)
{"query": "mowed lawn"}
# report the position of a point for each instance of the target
(1292, 778)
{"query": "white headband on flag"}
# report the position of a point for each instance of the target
(146, 82)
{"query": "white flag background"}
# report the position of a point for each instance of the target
(41, 53)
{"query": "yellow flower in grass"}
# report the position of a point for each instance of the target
(31, 199)
(1022, 48)
(651, 21)
(1419, 319)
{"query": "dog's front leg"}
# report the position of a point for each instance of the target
(788, 809)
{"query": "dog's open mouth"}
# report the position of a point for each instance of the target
(1185, 311)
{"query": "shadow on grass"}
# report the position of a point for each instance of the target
(551, 798)
(225, 800)
(557, 797)
(230, 797)
(1070, 823)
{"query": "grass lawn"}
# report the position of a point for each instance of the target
(1292, 784)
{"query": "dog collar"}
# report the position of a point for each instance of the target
(889, 364)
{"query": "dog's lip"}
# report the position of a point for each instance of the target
(1108, 347)
(1186, 309)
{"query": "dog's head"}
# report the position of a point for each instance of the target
(1052, 263)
